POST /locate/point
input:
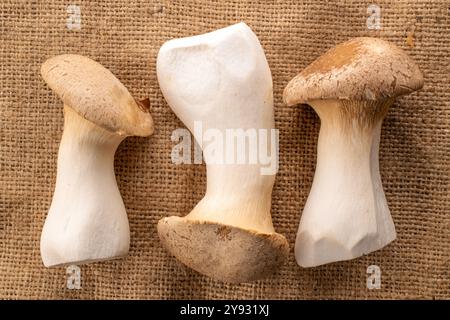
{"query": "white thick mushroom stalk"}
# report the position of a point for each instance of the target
(346, 214)
(87, 220)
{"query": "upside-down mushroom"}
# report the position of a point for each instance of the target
(222, 79)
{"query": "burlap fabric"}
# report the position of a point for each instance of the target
(125, 37)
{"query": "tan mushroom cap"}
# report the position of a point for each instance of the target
(223, 252)
(96, 94)
(359, 69)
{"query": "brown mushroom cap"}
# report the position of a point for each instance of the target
(96, 94)
(223, 252)
(359, 69)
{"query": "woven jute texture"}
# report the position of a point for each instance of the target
(125, 37)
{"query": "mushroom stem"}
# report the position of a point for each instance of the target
(346, 214)
(87, 220)
(237, 196)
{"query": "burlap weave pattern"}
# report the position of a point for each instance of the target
(125, 37)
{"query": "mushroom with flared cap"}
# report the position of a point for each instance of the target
(350, 87)
(87, 220)
(222, 80)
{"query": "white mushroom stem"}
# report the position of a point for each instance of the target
(87, 220)
(346, 214)
(237, 196)
(223, 80)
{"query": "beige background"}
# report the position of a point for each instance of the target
(125, 36)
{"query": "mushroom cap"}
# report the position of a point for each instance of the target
(358, 69)
(96, 94)
(223, 252)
